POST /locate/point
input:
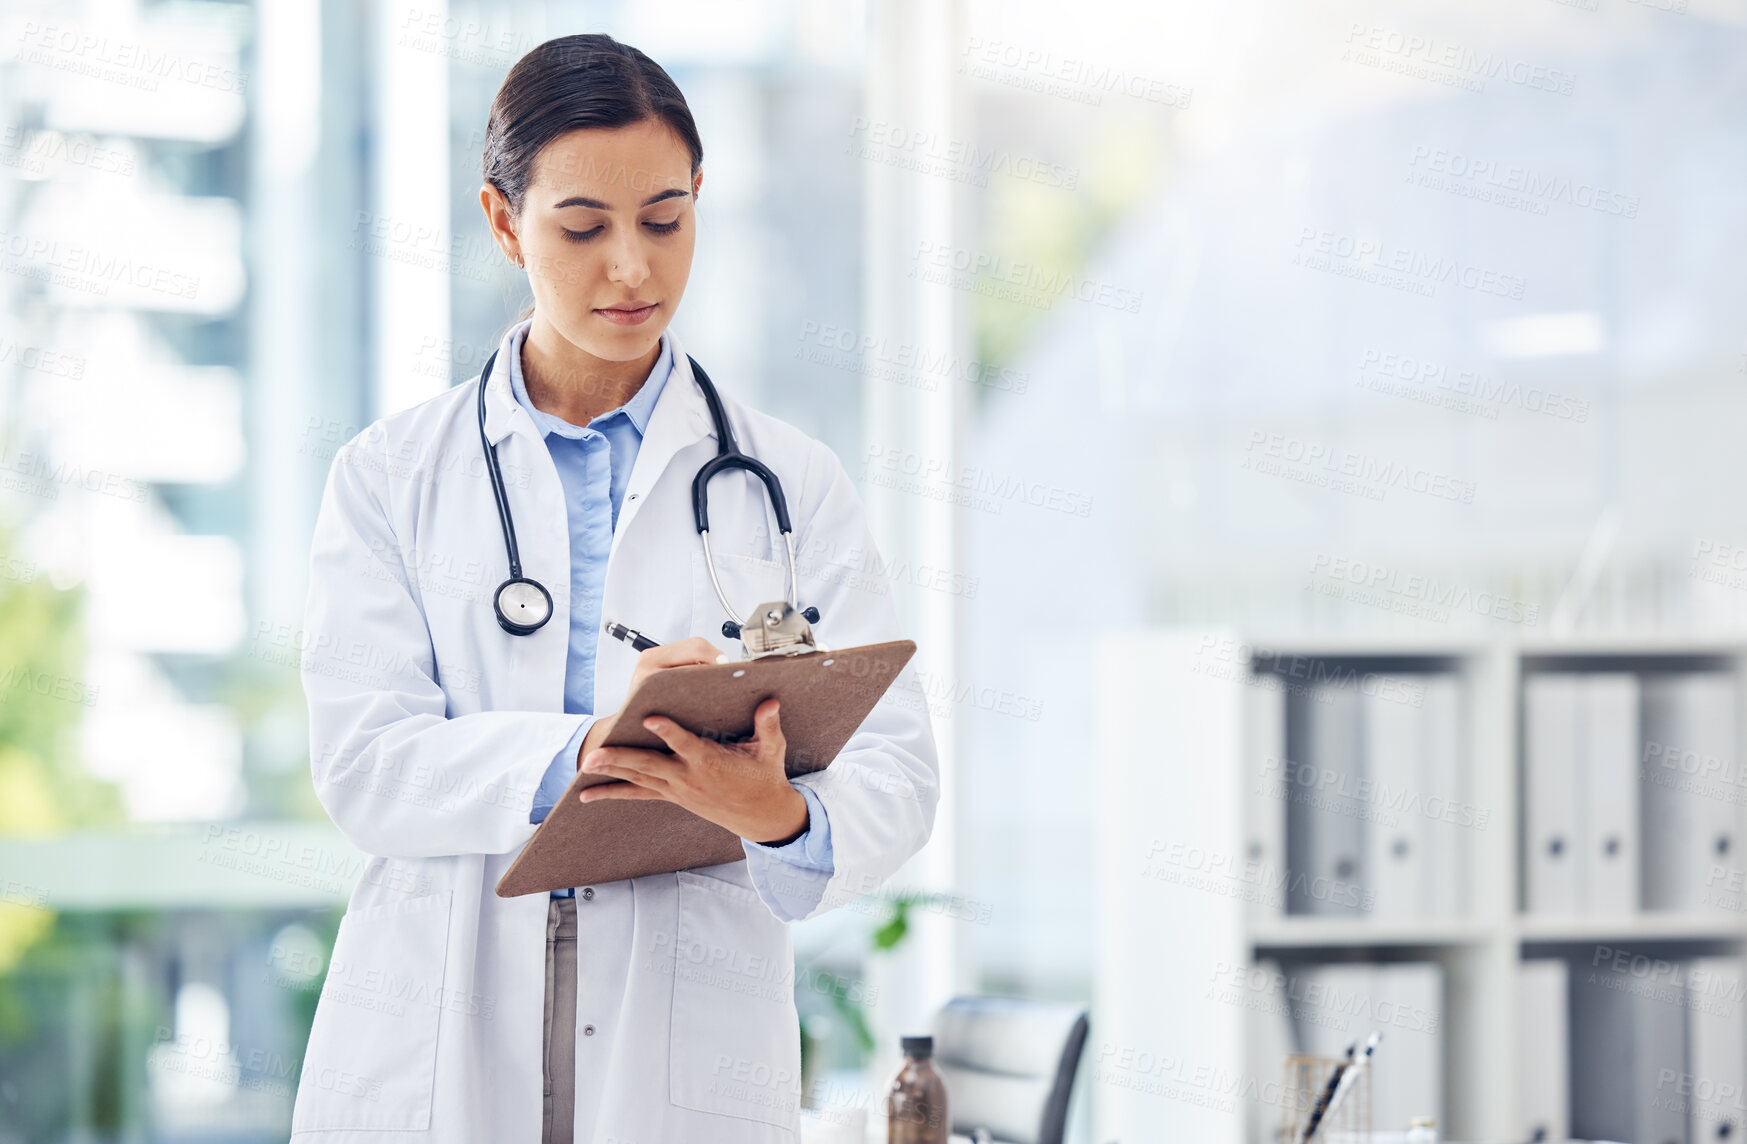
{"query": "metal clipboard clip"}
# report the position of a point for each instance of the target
(777, 628)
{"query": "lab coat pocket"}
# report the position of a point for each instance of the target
(372, 1055)
(747, 581)
(735, 1046)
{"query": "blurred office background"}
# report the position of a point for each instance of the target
(1223, 351)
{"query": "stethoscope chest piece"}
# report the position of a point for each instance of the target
(523, 606)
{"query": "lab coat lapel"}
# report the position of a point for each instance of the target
(649, 577)
(502, 411)
(680, 417)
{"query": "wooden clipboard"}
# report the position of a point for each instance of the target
(825, 697)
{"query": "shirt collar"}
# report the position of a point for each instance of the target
(636, 410)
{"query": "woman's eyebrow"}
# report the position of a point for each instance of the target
(596, 204)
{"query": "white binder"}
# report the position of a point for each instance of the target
(1543, 1026)
(1551, 798)
(1332, 1007)
(1627, 1037)
(1265, 791)
(1608, 861)
(1325, 826)
(1670, 810)
(1717, 1051)
(1408, 1066)
(1447, 832)
(1718, 836)
(1398, 837)
(1345, 1003)
(1691, 821)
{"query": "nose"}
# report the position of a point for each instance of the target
(626, 260)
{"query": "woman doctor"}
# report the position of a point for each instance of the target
(659, 1008)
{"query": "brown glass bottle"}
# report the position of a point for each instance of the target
(916, 1102)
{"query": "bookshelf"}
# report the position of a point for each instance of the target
(1175, 929)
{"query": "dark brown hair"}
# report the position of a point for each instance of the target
(569, 83)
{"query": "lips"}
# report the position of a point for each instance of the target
(630, 314)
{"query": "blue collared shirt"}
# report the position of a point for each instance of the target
(594, 464)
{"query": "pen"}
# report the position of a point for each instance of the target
(1351, 1076)
(1328, 1093)
(637, 640)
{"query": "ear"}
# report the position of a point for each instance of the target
(501, 221)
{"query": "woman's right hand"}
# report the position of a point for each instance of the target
(680, 653)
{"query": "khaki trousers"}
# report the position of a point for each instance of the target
(560, 1026)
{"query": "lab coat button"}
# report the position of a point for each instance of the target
(588, 893)
(588, 1030)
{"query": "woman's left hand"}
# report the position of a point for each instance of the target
(739, 786)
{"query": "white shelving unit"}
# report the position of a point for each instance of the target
(1166, 1060)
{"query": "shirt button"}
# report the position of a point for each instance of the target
(588, 894)
(588, 1030)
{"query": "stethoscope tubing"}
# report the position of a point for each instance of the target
(497, 489)
(728, 456)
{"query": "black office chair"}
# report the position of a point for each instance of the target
(1009, 1065)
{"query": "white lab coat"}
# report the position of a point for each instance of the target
(431, 727)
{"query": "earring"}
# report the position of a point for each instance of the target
(519, 261)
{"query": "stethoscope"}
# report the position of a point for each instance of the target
(523, 604)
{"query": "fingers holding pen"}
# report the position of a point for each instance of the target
(679, 653)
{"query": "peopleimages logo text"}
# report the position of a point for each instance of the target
(1475, 64)
(1376, 257)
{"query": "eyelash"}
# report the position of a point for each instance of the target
(586, 235)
